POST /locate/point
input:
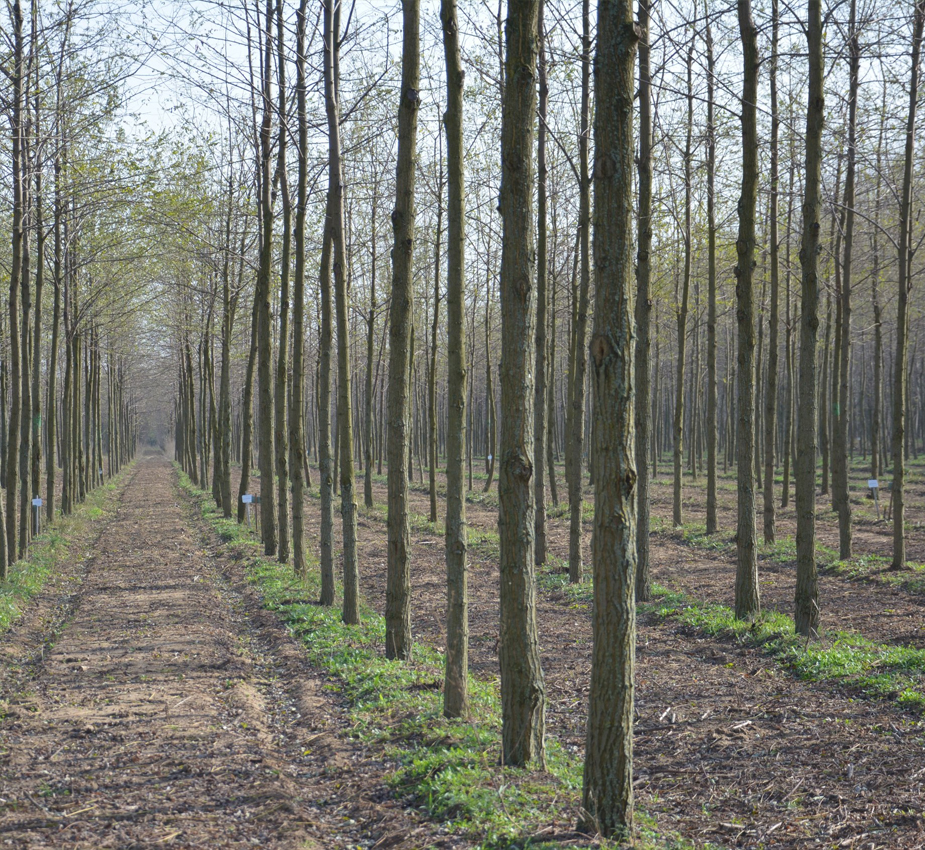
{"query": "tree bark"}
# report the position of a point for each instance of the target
(806, 606)
(608, 770)
(398, 591)
(643, 307)
(523, 692)
(456, 681)
(904, 287)
(747, 603)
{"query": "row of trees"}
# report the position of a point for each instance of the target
(68, 416)
(650, 381)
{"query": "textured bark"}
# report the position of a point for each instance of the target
(262, 296)
(335, 221)
(643, 308)
(280, 440)
(523, 692)
(325, 461)
(875, 458)
(247, 404)
(539, 398)
(574, 426)
(683, 306)
(370, 344)
(398, 590)
(432, 366)
(747, 602)
(712, 525)
(297, 459)
(608, 769)
(456, 682)
(904, 287)
(770, 395)
(806, 605)
(842, 410)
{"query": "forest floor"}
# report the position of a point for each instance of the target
(150, 698)
(731, 748)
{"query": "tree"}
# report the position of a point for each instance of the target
(574, 427)
(806, 606)
(770, 396)
(456, 683)
(904, 287)
(608, 772)
(523, 692)
(335, 222)
(262, 296)
(643, 307)
(398, 590)
(296, 413)
(746, 590)
(840, 485)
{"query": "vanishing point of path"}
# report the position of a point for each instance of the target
(170, 710)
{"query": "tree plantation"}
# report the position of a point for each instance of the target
(462, 424)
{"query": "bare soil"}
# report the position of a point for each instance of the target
(149, 701)
(729, 748)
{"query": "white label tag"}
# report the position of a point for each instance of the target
(872, 483)
(37, 502)
(247, 498)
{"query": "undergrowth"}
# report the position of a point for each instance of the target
(450, 769)
(842, 658)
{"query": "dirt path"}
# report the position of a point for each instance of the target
(171, 710)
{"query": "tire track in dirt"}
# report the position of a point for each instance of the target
(172, 710)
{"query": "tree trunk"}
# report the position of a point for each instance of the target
(398, 591)
(432, 368)
(282, 361)
(523, 692)
(770, 396)
(456, 682)
(643, 306)
(297, 460)
(904, 287)
(539, 400)
(712, 525)
(608, 771)
(574, 428)
(806, 606)
(262, 295)
(747, 603)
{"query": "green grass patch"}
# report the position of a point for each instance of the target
(450, 769)
(56, 544)
(846, 659)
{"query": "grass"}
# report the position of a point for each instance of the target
(449, 769)
(26, 577)
(840, 658)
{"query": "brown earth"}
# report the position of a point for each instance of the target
(158, 704)
(730, 749)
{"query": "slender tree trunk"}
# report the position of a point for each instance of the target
(904, 287)
(326, 465)
(747, 603)
(370, 344)
(842, 409)
(574, 428)
(456, 682)
(282, 361)
(643, 305)
(523, 692)
(398, 592)
(712, 525)
(806, 606)
(432, 369)
(297, 459)
(262, 296)
(539, 400)
(770, 396)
